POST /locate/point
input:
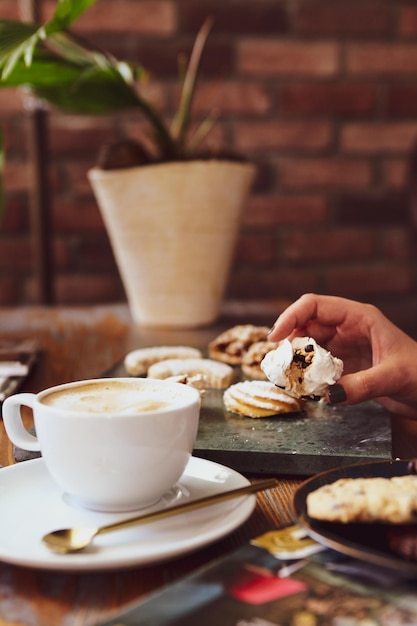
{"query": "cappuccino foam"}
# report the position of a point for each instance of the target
(110, 397)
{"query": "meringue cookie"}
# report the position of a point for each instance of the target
(302, 367)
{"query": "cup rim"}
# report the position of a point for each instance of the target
(190, 395)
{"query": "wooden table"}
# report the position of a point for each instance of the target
(83, 343)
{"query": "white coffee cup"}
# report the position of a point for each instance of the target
(111, 444)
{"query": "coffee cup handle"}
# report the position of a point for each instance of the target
(13, 423)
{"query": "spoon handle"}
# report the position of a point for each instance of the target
(192, 505)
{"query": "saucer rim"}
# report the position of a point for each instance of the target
(35, 470)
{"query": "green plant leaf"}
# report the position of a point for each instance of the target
(12, 34)
(44, 70)
(66, 13)
(78, 78)
(16, 41)
(181, 122)
(94, 91)
(202, 131)
(20, 39)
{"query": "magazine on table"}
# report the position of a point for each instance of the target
(282, 578)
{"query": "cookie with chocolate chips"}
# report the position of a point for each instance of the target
(231, 345)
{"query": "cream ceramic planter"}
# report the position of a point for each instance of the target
(173, 229)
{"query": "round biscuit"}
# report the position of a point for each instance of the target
(137, 362)
(217, 375)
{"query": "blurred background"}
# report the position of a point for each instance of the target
(320, 94)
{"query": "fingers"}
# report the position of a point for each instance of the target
(361, 386)
(294, 317)
(336, 394)
(364, 385)
(379, 358)
(310, 308)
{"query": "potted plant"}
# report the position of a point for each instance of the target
(172, 216)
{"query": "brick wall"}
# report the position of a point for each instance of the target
(321, 94)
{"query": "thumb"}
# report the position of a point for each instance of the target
(360, 386)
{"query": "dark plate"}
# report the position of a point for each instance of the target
(367, 542)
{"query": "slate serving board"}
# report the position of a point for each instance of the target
(320, 438)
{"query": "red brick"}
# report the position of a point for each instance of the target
(94, 254)
(16, 253)
(232, 97)
(39, 11)
(9, 10)
(48, 9)
(328, 99)
(287, 58)
(283, 210)
(54, 175)
(402, 311)
(395, 172)
(304, 136)
(215, 141)
(367, 59)
(86, 288)
(246, 16)
(328, 245)
(379, 278)
(15, 133)
(340, 18)
(378, 138)
(77, 177)
(265, 179)
(31, 291)
(324, 172)
(78, 216)
(9, 291)
(140, 131)
(256, 249)
(9, 142)
(273, 283)
(15, 214)
(155, 93)
(79, 135)
(397, 243)
(401, 100)
(16, 176)
(62, 255)
(161, 58)
(269, 16)
(407, 26)
(11, 101)
(150, 17)
(369, 208)
(342, 66)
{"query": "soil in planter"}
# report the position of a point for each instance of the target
(128, 153)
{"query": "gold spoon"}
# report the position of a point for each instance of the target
(74, 539)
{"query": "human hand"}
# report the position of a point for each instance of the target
(380, 360)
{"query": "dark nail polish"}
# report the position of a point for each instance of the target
(336, 394)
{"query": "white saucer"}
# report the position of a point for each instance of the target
(35, 506)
